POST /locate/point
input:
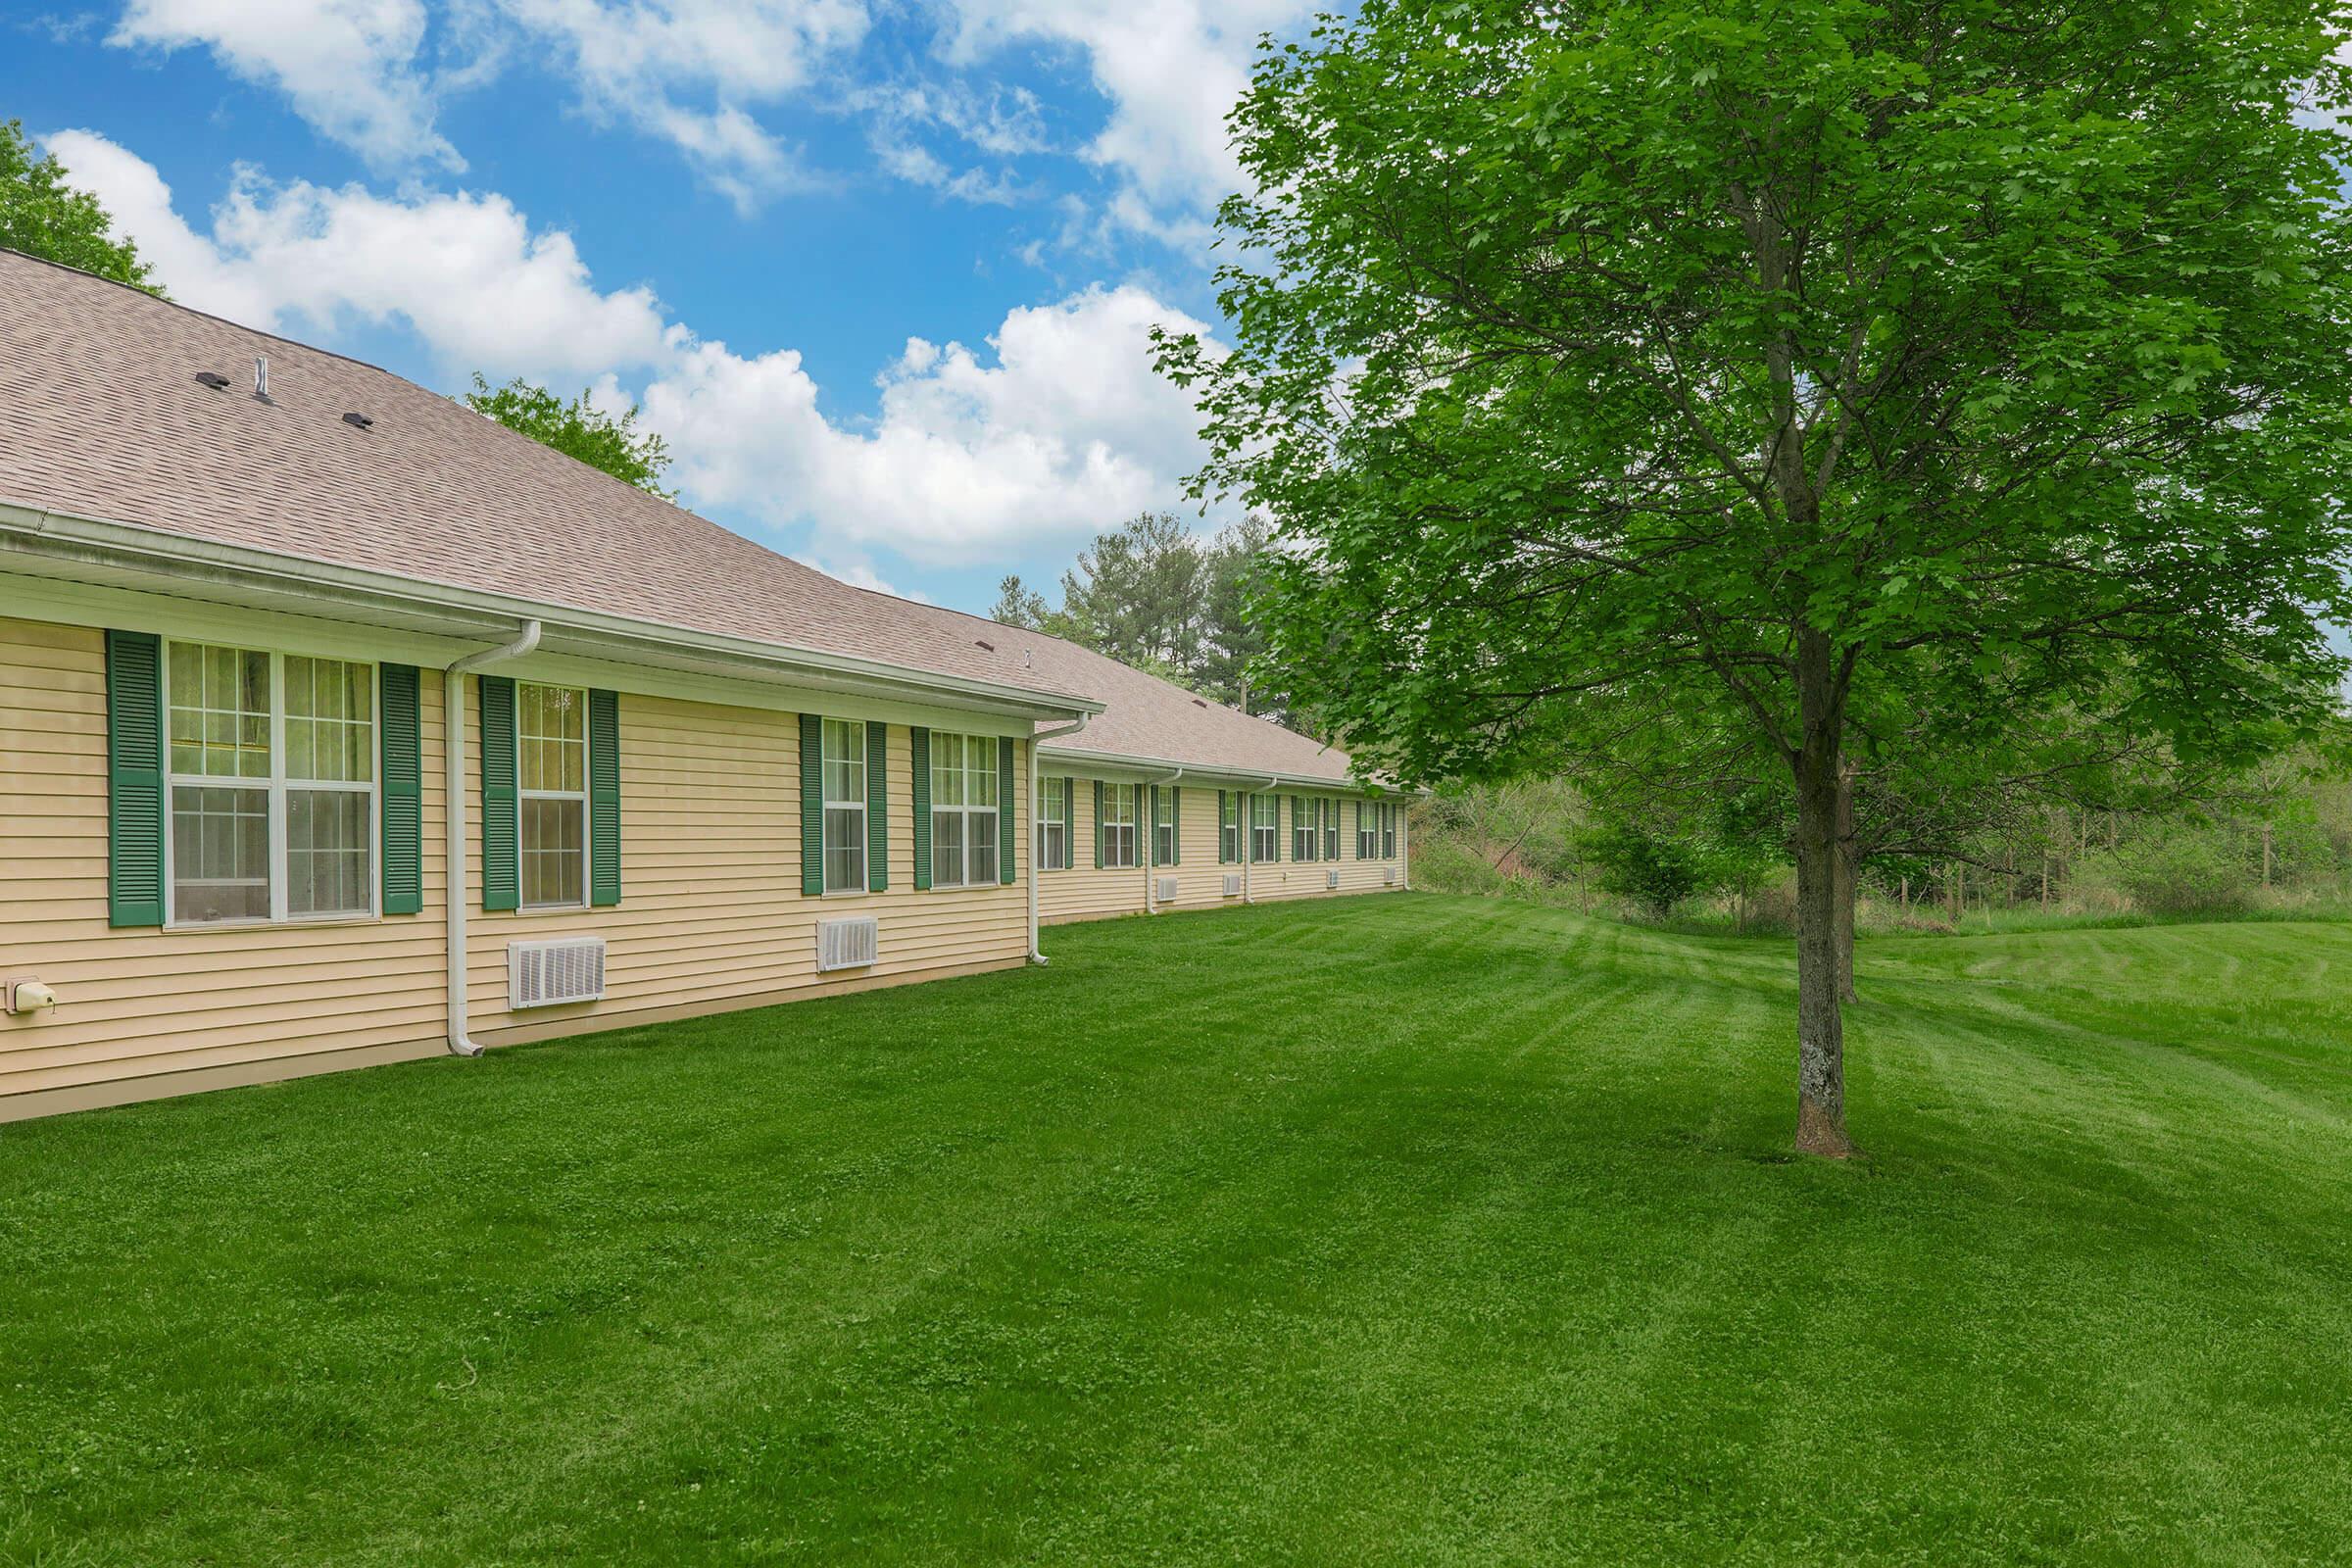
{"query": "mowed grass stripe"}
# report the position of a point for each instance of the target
(1399, 1229)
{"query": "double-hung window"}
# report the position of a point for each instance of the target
(1229, 827)
(1388, 830)
(1306, 839)
(1163, 826)
(1265, 829)
(1367, 830)
(964, 810)
(551, 733)
(1330, 829)
(271, 766)
(1118, 823)
(1054, 825)
(843, 755)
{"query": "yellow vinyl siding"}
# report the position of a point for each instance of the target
(712, 913)
(1086, 894)
(712, 910)
(1083, 893)
(137, 1003)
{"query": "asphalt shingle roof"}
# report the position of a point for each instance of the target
(103, 417)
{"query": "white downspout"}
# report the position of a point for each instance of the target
(1249, 840)
(453, 814)
(1069, 826)
(1151, 831)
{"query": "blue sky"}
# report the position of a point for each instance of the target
(881, 271)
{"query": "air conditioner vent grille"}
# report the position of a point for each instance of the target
(1233, 884)
(1331, 879)
(1167, 890)
(1388, 875)
(852, 943)
(540, 974)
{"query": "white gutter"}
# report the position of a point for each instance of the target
(1069, 827)
(1087, 757)
(453, 812)
(355, 591)
(1151, 831)
(1249, 842)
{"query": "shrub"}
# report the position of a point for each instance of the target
(2183, 873)
(1652, 872)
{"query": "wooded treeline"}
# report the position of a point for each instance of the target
(2280, 842)
(1152, 594)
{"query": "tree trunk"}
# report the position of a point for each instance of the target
(1847, 882)
(1820, 1027)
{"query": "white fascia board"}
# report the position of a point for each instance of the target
(1081, 760)
(40, 543)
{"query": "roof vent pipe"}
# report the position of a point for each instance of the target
(261, 377)
(453, 812)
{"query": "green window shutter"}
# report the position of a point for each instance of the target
(501, 872)
(877, 807)
(1359, 830)
(1098, 825)
(812, 806)
(403, 828)
(135, 778)
(604, 797)
(1007, 840)
(1176, 816)
(918, 790)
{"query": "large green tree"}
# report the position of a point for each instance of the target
(42, 216)
(578, 429)
(1154, 594)
(1833, 363)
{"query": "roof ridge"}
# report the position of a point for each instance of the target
(210, 316)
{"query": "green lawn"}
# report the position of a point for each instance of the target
(1400, 1229)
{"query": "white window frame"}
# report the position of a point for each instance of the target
(1054, 815)
(1118, 818)
(1388, 830)
(967, 811)
(1271, 827)
(1306, 829)
(1367, 830)
(587, 809)
(1163, 802)
(1330, 813)
(1229, 829)
(278, 784)
(828, 805)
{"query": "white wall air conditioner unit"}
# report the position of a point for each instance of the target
(1331, 880)
(852, 943)
(1167, 890)
(1387, 876)
(540, 974)
(1233, 884)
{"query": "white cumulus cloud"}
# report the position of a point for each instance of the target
(1170, 70)
(464, 272)
(691, 72)
(1055, 426)
(350, 67)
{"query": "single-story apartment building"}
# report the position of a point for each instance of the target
(291, 646)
